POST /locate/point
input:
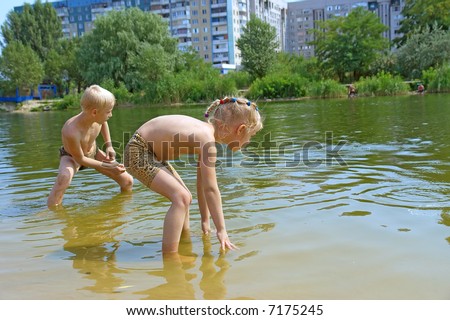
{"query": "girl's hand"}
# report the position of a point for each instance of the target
(225, 242)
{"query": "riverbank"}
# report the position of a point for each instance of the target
(48, 105)
(27, 106)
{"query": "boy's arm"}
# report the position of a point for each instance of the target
(109, 150)
(73, 146)
(212, 194)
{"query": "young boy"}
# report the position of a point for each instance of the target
(79, 148)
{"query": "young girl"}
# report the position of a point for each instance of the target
(232, 121)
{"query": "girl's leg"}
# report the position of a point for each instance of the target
(166, 184)
(67, 169)
(186, 219)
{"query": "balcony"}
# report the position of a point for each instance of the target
(219, 14)
(219, 4)
(222, 58)
(219, 32)
(242, 8)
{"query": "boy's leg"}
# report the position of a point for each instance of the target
(125, 180)
(166, 184)
(67, 169)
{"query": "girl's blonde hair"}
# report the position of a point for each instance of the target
(231, 111)
(95, 97)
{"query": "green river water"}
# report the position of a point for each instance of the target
(333, 199)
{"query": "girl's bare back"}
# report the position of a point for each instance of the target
(173, 135)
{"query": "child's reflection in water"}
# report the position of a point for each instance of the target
(90, 236)
(178, 284)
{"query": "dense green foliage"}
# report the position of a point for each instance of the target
(20, 75)
(128, 46)
(437, 80)
(423, 14)
(383, 84)
(258, 46)
(38, 27)
(327, 89)
(429, 47)
(132, 54)
(350, 44)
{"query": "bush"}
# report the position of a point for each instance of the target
(241, 79)
(383, 84)
(327, 89)
(278, 86)
(437, 80)
(71, 101)
(120, 92)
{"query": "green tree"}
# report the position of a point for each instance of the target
(424, 49)
(21, 66)
(420, 14)
(350, 44)
(287, 63)
(70, 70)
(37, 27)
(258, 45)
(125, 43)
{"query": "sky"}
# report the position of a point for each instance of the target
(8, 5)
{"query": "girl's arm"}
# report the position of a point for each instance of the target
(109, 150)
(202, 205)
(212, 194)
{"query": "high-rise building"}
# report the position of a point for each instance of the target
(304, 15)
(211, 27)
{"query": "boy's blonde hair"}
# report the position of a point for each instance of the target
(231, 111)
(95, 97)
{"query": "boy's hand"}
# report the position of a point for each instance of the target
(110, 154)
(114, 165)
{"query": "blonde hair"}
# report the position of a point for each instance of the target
(230, 111)
(95, 97)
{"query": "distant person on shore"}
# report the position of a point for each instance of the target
(420, 88)
(231, 121)
(351, 91)
(80, 150)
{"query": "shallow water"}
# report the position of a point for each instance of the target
(334, 199)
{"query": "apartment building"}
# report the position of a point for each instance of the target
(304, 15)
(274, 13)
(211, 27)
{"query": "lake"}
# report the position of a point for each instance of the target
(333, 199)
